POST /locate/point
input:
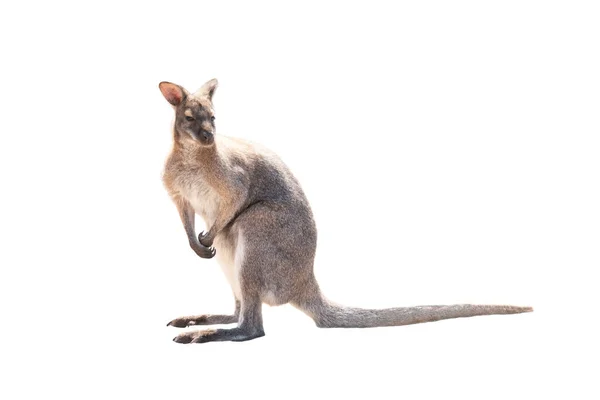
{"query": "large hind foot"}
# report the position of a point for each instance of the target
(207, 319)
(218, 335)
(193, 320)
(250, 326)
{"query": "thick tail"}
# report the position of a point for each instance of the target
(327, 314)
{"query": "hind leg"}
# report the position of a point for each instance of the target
(249, 326)
(206, 319)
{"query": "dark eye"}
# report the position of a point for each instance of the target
(188, 118)
(212, 118)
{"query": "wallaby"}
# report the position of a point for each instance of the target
(262, 229)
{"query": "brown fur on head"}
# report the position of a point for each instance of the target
(194, 114)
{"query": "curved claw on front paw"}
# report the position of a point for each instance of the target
(203, 251)
(208, 252)
(204, 239)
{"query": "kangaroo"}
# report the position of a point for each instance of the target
(261, 229)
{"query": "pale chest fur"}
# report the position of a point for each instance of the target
(203, 198)
(185, 177)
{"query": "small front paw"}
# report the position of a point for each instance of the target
(206, 252)
(205, 239)
(203, 251)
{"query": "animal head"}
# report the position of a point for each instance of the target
(194, 114)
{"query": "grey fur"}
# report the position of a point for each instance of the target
(262, 228)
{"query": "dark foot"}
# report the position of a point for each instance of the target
(217, 335)
(203, 251)
(205, 239)
(184, 322)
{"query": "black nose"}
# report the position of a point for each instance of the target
(206, 135)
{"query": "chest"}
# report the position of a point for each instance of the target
(191, 184)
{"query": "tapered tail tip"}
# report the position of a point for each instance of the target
(519, 309)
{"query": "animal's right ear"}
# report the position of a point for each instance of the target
(172, 92)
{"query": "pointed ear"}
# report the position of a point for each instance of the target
(172, 92)
(208, 89)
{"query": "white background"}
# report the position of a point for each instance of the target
(449, 149)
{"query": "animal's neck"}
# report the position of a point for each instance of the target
(207, 158)
(191, 146)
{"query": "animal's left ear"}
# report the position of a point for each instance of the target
(208, 89)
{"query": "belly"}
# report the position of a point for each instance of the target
(230, 256)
